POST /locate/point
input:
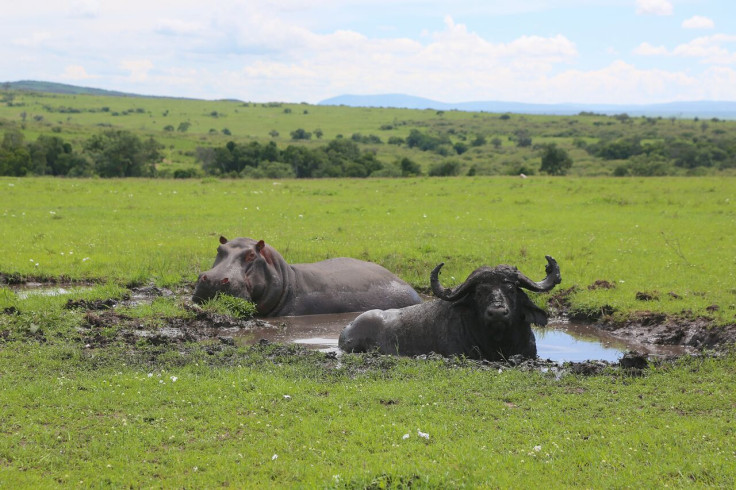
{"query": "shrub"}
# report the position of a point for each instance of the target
(448, 168)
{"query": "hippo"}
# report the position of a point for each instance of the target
(255, 271)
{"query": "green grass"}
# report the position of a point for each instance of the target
(111, 413)
(245, 418)
(663, 235)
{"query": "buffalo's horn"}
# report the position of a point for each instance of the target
(460, 291)
(553, 278)
(434, 281)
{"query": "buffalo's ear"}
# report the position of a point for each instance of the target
(260, 246)
(223, 240)
(531, 312)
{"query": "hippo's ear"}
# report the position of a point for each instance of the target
(532, 313)
(223, 240)
(260, 246)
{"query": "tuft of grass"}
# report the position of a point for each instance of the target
(230, 305)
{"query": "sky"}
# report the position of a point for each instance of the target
(533, 51)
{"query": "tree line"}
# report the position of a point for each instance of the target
(658, 157)
(338, 158)
(120, 153)
(112, 153)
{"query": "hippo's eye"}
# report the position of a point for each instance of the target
(249, 256)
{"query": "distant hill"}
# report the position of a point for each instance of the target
(62, 88)
(701, 109)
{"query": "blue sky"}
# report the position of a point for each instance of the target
(541, 51)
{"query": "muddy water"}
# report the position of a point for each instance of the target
(38, 289)
(560, 341)
(563, 341)
(315, 331)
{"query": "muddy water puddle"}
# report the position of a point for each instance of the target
(560, 341)
(314, 331)
(37, 289)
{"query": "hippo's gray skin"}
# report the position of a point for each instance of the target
(255, 271)
(486, 317)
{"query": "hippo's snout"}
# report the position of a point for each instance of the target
(224, 280)
(210, 286)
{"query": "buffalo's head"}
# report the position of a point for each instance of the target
(495, 293)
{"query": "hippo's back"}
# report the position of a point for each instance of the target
(345, 284)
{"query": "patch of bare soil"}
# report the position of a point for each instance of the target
(17, 279)
(660, 329)
(203, 325)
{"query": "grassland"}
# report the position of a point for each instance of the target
(658, 236)
(260, 417)
(81, 407)
(76, 117)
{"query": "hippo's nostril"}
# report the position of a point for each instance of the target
(225, 281)
(204, 277)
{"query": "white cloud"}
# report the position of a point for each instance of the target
(621, 81)
(646, 49)
(456, 64)
(711, 49)
(654, 7)
(138, 69)
(178, 27)
(295, 50)
(33, 39)
(698, 22)
(89, 9)
(75, 72)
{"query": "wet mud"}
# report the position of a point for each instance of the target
(591, 343)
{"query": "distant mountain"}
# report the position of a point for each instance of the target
(701, 109)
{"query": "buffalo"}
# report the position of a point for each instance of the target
(486, 317)
(255, 271)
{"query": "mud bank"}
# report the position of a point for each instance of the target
(643, 334)
(659, 329)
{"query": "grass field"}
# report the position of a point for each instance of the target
(75, 118)
(210, 414)
(644, 235)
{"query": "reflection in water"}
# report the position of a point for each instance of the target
(562, 346)
(559, 341)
